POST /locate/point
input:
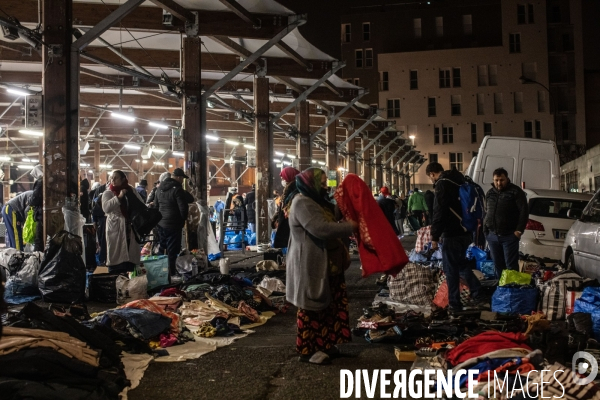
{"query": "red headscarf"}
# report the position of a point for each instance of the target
(288, 174)
(117, 191)
(384, 191)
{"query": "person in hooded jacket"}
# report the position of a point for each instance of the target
(123, 251)
(173, 203)
(446, 227)
(288, 180)
(84, 199)
(14, 214)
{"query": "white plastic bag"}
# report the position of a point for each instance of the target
(131, 289)
(74, 222)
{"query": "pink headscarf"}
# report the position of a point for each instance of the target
(288, 174)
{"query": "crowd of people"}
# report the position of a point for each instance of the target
(308, 223)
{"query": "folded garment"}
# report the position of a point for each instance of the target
(148, 323)
(485, 343)
(155, 308)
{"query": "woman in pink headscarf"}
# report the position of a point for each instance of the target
(288, 180)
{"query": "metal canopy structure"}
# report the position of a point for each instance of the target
(132, 90)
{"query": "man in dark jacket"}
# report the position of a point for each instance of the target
(251, 208)
(429, 197)
(172, 202)
(99, 219)
(388, 206)
(446, 226)
(505, 221)
(141, 189)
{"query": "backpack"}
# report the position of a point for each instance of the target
(472, 205)
(143, 219)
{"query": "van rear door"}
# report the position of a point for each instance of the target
(537, 174)
(494, 162)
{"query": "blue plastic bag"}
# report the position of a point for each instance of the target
(157, 270)
(487, 268)
(588, 303)
(515, 300)
(477, 253)
(252, 240)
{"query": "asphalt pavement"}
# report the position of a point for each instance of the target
(264, 365)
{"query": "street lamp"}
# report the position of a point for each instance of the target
(524, 80)
(412, 137)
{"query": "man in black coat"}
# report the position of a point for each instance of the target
(446, 227)
(251, 208)
(388, 206)
(172, 201)
(505, 221)
(99, 219)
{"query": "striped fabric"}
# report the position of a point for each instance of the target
(554, 294)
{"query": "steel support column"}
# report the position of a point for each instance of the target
(351, 157)
(61, 127)
(303, 144)
(366, 164)
(263, 141)
(378, 161)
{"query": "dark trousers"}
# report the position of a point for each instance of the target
(504, 250)
(456, 266)
(101, 234)
(419, 217)
(170, 240)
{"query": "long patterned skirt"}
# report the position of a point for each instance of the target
(321, 330)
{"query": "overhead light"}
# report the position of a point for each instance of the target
(158, 163)
(84, 165)
(341, 169)
(412, 137)
(144, 161)
(170, 165)
(250, 147)
(232, 142)
(276, 160)
(290, 156)
(211, 137)
(105, 166)
(91, 171)
(25, 166)
(286, 163)
(29, 160)
(18, 92)
(314, 161)
(137, 160)
(279, 153)
(123, 116)
(31, 133)
(321, 163)
(132, 146)
(157, 150)
(210, 104)
(157, 125)
(4, 158)
(178, 154)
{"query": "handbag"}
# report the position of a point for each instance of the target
(143, 219)
(29, 227)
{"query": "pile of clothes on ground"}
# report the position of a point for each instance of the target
(81, 355)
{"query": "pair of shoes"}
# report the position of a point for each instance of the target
(318, 358)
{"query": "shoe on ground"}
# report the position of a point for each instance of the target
(318, 358)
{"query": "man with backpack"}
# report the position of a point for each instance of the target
(447, 226)
(505, 221)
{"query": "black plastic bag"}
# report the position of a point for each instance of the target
(62, 273)
(143, 219)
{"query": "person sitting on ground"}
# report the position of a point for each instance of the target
(316, 263)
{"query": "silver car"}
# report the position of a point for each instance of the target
(581, 251)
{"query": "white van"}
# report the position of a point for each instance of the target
(532, 161)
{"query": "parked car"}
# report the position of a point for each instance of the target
(548, 223)
(581, 251)
(532, 161)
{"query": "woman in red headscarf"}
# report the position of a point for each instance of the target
(123, 252)
(282, 236)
